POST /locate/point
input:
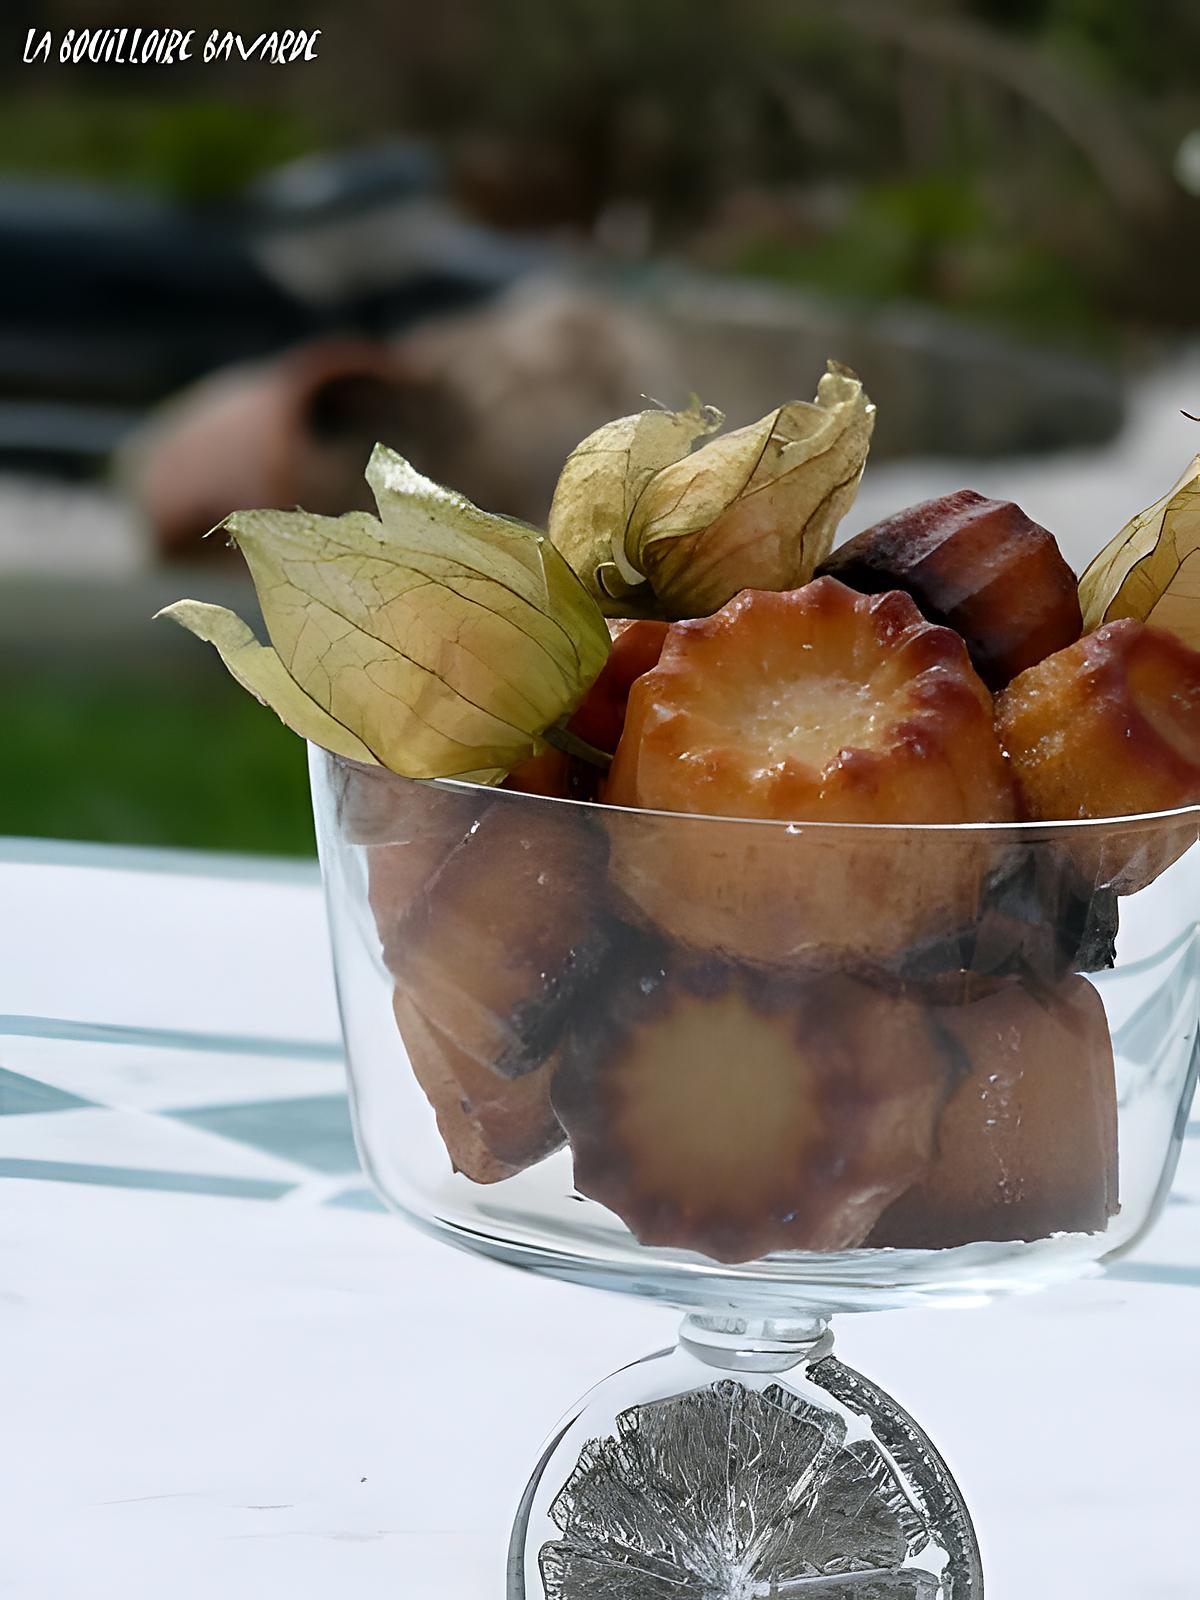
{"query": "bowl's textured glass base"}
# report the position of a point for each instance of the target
(701, 1476)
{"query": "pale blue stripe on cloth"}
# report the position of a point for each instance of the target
(239, 1044)
(22, 1096)
(310, 1132)
(144, 1178)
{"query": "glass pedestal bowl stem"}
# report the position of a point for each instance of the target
(746, 1463)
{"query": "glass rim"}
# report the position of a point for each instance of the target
(1142, 821)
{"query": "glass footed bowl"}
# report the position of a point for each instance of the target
(764, 1072)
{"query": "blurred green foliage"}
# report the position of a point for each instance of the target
(189, 149)
(128, 761)
(932, 239)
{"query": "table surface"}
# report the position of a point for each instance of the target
(227, 1373)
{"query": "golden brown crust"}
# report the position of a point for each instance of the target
(715, 1110)
(893, 727)
(498, 944)
(690, 740)
(1027, 1143)
(492, 1127)
(980, 566)
(1107, 728)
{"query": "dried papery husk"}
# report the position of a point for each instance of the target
(435, 639)
(1151, 570)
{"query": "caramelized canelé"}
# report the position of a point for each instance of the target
(488, 960)
(492, 1126)
(815, 705)
(1027, 1142)
(500, 942)
(980, 566)
(1109, 727)
(716, 1109)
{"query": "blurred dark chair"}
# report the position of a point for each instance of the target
(114, 300)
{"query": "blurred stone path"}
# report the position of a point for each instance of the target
(60, 529)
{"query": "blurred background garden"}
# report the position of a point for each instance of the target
(476, 230)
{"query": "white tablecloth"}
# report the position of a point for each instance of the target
(223, 1373)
